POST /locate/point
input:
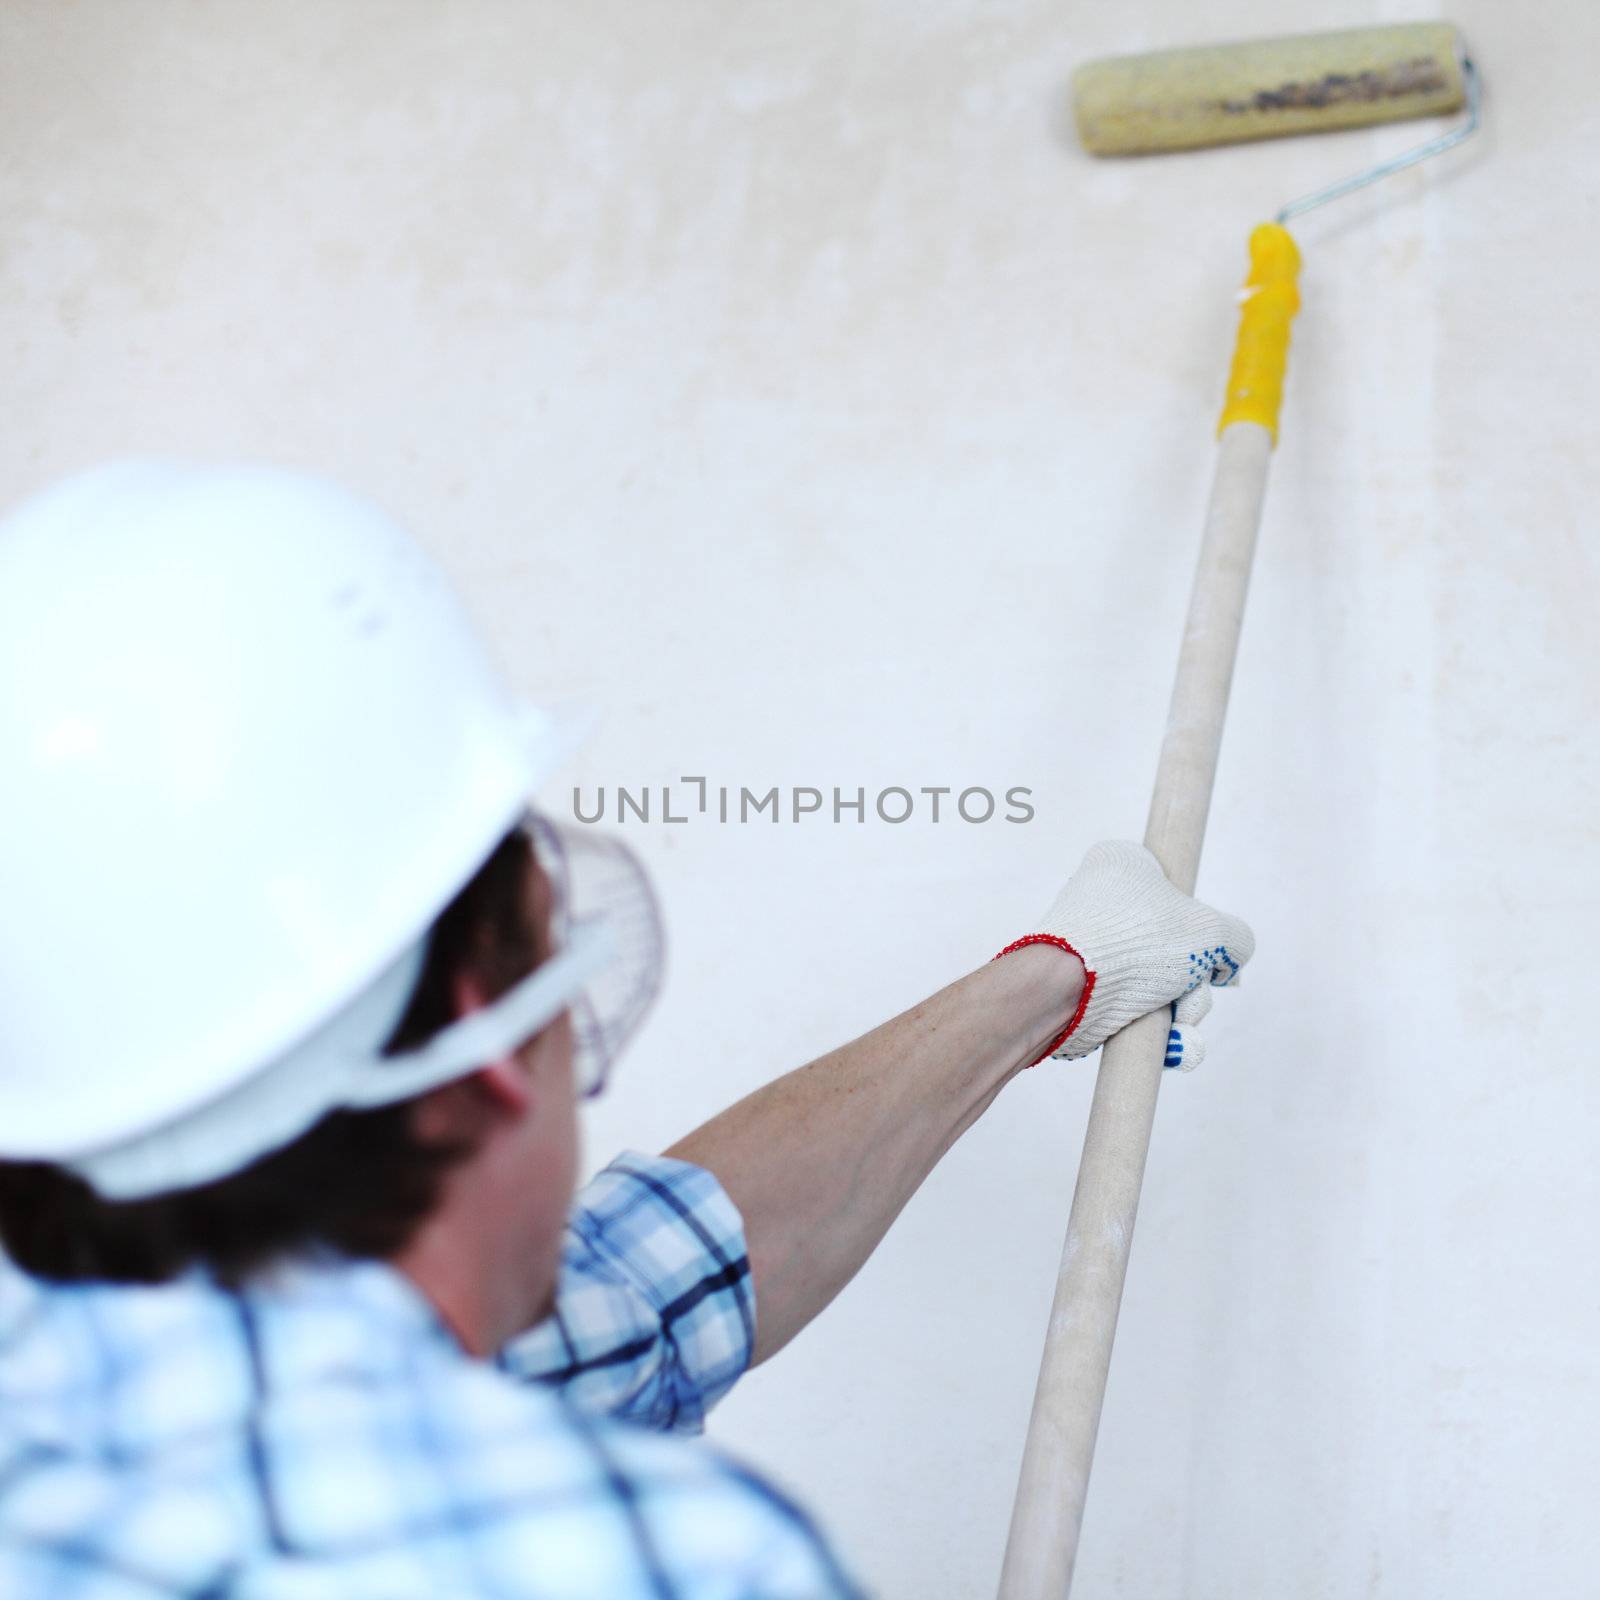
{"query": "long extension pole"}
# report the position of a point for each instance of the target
(1054, 1482)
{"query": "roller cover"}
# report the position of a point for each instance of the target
(1220, 94)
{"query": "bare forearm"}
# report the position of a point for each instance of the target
(821, 1161)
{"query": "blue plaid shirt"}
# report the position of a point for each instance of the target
(320, 1435)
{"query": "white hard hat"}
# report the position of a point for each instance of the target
(250, 747)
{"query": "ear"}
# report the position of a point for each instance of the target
(497, 1091)
(470, 1108)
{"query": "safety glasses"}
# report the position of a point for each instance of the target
(599, 891)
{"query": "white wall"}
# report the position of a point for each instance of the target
(783, 379)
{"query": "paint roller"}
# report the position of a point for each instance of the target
(1134, 105)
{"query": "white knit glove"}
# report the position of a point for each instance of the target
(1143, 945)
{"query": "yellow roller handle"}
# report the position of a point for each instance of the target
(1261, 352)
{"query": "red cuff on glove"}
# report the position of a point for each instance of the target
(1083, 999)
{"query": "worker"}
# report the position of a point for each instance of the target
(300, 996)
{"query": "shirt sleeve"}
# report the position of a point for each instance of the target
(655, 1313)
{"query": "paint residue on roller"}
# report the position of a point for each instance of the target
(1420, 76)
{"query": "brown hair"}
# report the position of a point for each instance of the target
(359, 1182)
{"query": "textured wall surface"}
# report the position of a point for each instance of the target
(782, 380)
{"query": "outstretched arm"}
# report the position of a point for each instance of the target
(820, 1162)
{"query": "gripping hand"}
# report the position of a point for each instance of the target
(1144, 944)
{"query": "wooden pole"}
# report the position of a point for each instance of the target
(1043, 1543)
